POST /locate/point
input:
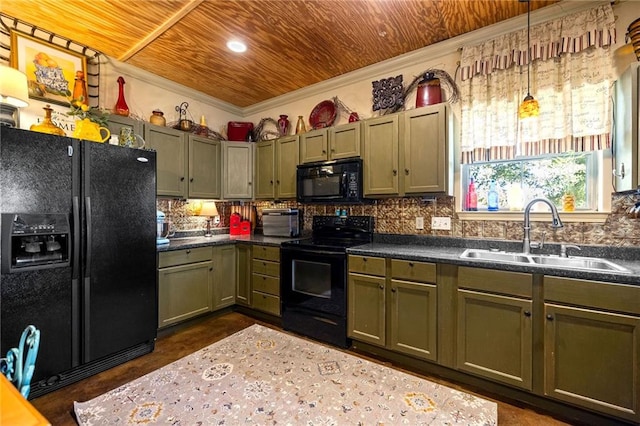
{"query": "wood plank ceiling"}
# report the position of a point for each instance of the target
(291, 43)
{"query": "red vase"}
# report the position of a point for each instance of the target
(121, 105)
(429, 91)
(283, 125)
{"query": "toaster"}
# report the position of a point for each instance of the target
(281, 222)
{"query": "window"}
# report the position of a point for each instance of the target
(556, 177)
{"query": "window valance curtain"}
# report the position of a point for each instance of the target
(571, 77)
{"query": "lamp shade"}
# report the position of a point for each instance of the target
(14, 89)
(209, 209)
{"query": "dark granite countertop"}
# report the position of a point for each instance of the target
(221, 239)
(448, 250)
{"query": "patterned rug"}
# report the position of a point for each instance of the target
(260, 376)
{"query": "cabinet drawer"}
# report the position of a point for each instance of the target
(504, 282)
(367, 265)
(413, 271)
(182, 257)
(266, 253)
(265, 267)
(266, 284)
(601, 295)
(266, 302)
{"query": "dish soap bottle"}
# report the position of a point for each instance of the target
(492, 197)
(472, 197)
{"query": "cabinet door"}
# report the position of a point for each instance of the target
(205, 164)
(412, 319)
(423, 143)
(238, 171)
(494, 337)
(224, 276)
(265, 170)
(243, 274)
(171, 154)
(344, 141)
(287, 155)
(592, 359)
(184, 292)
(366, 309)
(380, 156)
(313, 146)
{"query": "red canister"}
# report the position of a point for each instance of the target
(234, 223)
(429, 91)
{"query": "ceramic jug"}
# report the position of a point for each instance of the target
(87, 129)
(129, 139)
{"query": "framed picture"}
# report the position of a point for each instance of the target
(50, 70)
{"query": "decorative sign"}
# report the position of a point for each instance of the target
(388, 94)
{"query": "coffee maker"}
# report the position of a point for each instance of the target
(163, 229)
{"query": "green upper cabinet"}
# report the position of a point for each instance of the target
(171, 159)
(332, 143)
(237, 182)
(380, 155)
(424, 157)
(205, 164)
(276, 163)
(407, 153)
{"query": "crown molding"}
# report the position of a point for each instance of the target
(429, 53)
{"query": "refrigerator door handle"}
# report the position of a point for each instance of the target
(87, 260)
(76, 238)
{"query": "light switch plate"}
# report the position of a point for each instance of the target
(441, 223)
(419, 222)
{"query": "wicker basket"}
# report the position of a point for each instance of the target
(633, 35)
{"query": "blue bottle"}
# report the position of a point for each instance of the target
(493, 197)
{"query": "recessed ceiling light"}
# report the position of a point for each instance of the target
(237, 46)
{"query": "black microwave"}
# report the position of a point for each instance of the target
(337, 181)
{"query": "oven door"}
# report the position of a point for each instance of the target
(314, 280)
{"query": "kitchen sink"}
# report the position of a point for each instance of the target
(581, 263)
(496, 256)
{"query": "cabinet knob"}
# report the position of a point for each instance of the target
(550, 317)
(324, 151)
(406, 172)
(395, 172)
(527, 313)
(393, 290)
(271, 182)
(248, 183)
(191, 180)
(188, 251)
(381, 287)
(210, 269)
(333, 150)
(278, 182)
(411, 264)
(182, 179)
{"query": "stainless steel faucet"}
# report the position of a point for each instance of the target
(555, 223)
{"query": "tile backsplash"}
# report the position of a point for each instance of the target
(397, 216)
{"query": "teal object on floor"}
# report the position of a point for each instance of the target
(19, 366)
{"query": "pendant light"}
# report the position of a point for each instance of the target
(529, 106)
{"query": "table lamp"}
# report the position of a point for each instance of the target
(209, 209)
(14, 93)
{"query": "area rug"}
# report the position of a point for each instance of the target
(260, 376)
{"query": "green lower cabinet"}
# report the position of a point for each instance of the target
(494, 337)
(412, 319)
(224, 276)
(243, 274)
(184, 292)
(366, 308)
(592, 359)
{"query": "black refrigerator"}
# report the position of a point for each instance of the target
(78, 253)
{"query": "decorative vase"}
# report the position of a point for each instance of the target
(80, 90)
(353, 117)
(300, 127)
(157, 118)
(429, 92)
(283, 125)
(47, 126)
(88, 130)
(121, 105)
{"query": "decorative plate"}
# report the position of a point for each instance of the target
(323, 115)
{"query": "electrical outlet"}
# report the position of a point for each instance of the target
(419, 222)
(441, 223)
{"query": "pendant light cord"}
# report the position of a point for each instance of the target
(528, 47)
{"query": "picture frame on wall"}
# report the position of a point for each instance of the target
(50, 69)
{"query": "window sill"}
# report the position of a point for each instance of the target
(515, 216)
